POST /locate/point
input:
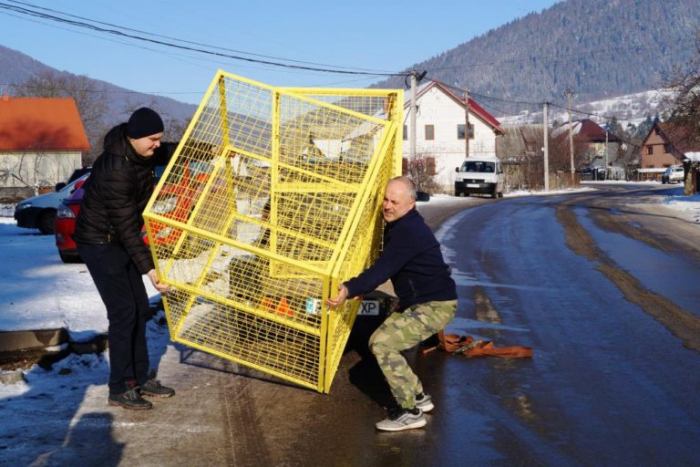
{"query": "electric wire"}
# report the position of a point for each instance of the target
(81, 24)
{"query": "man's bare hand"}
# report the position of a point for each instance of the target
(340, 298)
(160, 287)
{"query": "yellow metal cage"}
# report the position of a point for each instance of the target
(271, 200)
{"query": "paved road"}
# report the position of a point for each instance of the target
(607, 294)
(603, 290)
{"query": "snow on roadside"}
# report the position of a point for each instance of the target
(686, 207)
(41, 292)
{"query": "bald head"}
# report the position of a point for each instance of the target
(399, 199)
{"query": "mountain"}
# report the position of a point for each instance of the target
(628, 109)
(16, 68)
(597, 48)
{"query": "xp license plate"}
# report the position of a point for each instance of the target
(472, 185)
(369, 308)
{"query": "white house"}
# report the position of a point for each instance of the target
(440, 121)
(41, 143)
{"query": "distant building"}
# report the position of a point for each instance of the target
(664, 146)
(519, 141)
(598, 146)
(440, 121)
(41, 143)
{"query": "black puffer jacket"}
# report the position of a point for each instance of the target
(116, 193)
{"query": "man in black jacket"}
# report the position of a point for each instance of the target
(108, 235)
(427, 300)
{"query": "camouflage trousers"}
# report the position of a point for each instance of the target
(401, 331)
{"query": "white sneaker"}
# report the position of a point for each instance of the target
(402, 419)
(424, 402)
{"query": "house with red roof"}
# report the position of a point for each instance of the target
(440, 131)
(42, 141)
(665, 145)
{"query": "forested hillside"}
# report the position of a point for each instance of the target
(597, 48)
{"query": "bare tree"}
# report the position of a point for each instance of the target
(684, 101)
(421, 169)
(90, 99)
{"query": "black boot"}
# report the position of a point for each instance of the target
(153, 388)
(130, 400)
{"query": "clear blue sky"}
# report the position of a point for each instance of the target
(361, 34)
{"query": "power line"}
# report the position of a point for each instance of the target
(106, 91)
(190, 42)
(81, 24)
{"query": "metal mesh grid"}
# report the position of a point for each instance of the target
(271, 198)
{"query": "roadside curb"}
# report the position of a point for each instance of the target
(43, 347)
(47, 346)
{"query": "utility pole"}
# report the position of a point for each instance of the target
(466, 122)
(606, 151)
(414, 85)
(545, 112)
(569, 95)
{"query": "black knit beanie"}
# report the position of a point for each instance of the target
(144, 122)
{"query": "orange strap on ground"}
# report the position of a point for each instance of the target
(469, 347)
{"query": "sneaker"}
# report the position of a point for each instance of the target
(424, 402)
(153, 388)
(402, 419)
(130, 399)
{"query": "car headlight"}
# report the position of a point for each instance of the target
(64, 212)
(23, 206)
(164, 206)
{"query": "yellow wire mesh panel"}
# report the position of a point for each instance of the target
(272, 198)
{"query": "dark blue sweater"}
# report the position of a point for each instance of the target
(412, 260)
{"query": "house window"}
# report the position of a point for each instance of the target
(460, 131)
(650, 149)
(429, 132)
(668, 148)
(405, 132)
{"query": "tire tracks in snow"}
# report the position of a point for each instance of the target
(681, 323)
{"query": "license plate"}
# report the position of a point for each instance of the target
(369, 308)
(472, 185)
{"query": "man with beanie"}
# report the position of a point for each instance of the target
(108, 235)
(427, 300)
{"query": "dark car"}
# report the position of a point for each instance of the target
(39, 212)
(65, 223)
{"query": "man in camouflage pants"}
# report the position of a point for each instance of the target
(427, 300)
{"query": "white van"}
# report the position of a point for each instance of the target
(479, 175)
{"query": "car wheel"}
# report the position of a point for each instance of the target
(500, 194)
(494, 195)
(45, 223)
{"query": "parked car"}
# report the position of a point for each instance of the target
(672, 175)
(39, 211)
(480, 176)
(65, 223)
(175, 204)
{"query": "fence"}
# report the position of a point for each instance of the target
(272, 199)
